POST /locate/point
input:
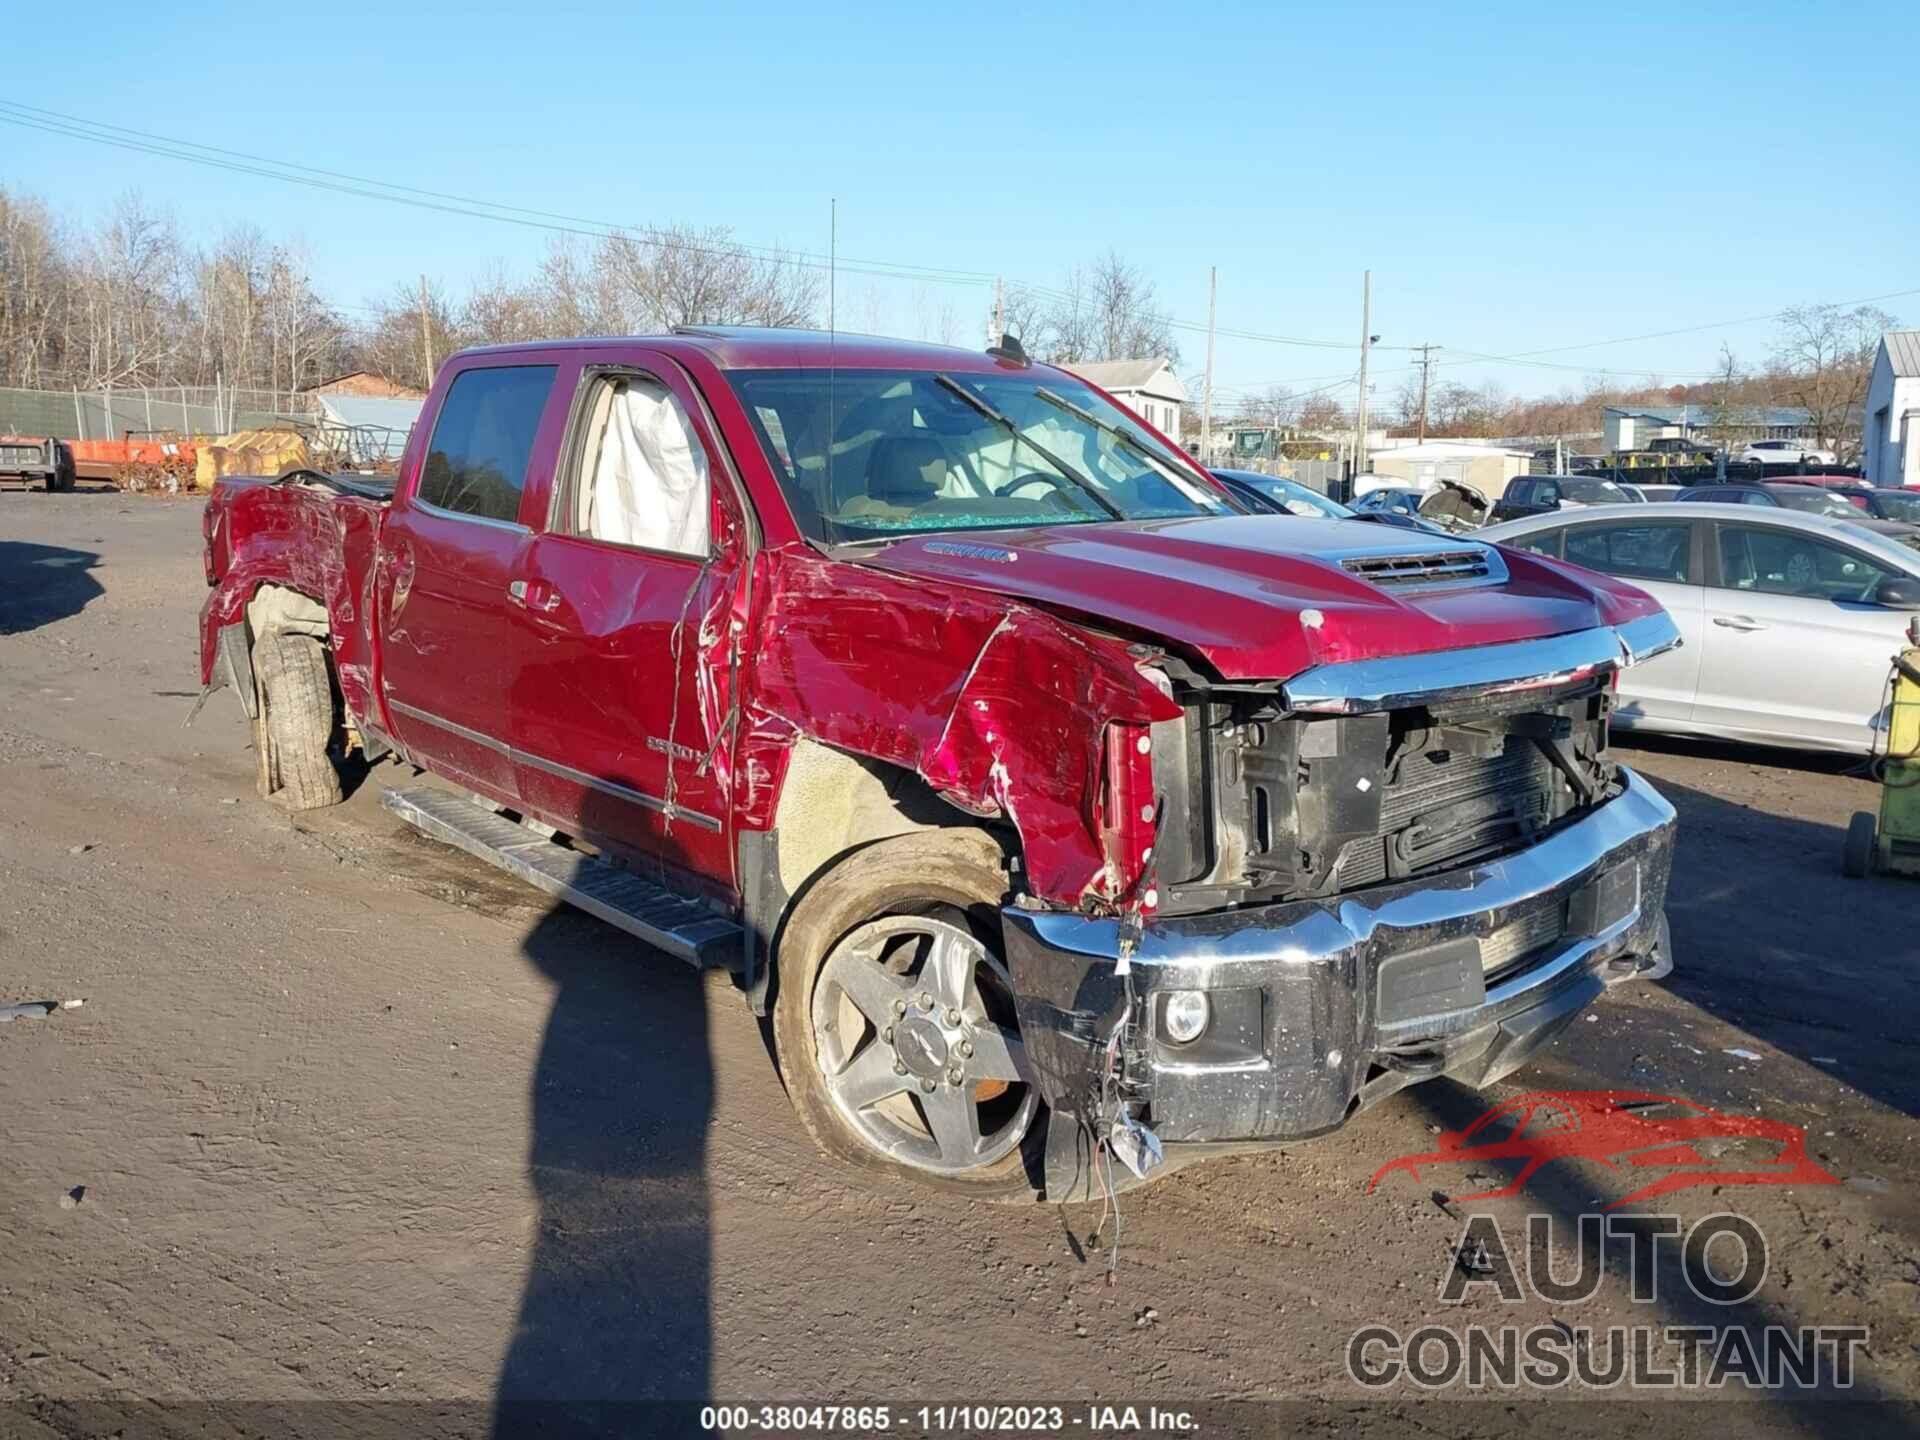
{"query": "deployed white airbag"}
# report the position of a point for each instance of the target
(649, 479)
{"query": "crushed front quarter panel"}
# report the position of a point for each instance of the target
(998, 706)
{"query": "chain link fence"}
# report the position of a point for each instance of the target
(115, 414)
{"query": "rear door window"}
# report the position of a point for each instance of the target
(483, 439)
(1633, 551)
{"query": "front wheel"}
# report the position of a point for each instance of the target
(894, 1018)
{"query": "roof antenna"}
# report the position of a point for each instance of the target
(833, 277)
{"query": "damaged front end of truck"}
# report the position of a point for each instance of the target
(1377, 874)
(1248, 908)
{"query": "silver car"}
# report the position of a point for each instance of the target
(1789, 620)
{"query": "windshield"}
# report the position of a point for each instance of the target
(1816, 502)
(1898, 504)
(914, 452)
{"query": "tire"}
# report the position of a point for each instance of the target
(296, 722)
(1857, 858)
(947, 885)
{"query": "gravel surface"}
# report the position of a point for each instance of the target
(348, 1116)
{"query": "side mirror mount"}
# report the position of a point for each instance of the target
(1898, 592)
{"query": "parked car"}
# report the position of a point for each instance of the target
(1542, 494)
(1061, 797)
(44, 459)
(1787, 452)
(1657, 494)
(1278, 495)
(1271, 494)
(1883, 504)
(1399, 499)
(1812, 499)
(1788, 617)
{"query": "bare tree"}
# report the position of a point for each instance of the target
(34, 281)
(126, 301)
(394, 347)
(1825, 355)
(686, 276)
(1105, 310)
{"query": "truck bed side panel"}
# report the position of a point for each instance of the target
(310, 540)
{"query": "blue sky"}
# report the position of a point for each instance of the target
(1518, 178)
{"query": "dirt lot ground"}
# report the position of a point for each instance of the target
(348, 1117)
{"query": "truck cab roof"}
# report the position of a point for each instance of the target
(761, 347)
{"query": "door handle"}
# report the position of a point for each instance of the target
(1737, 622)
(533, 595)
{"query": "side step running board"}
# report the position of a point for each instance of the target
(641, 907)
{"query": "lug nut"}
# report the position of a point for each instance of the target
(953, 1017)
(927, 1085)
(899, 1007)
(899, 1067)
(887, 1034)
(966, 1049)
(926, 1001)
(956, 1075)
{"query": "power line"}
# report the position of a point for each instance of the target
(342, 182)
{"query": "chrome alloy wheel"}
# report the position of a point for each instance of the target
(914, 1028)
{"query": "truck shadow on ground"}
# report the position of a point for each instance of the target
(40, 584)
(615, 1309)
(1771, 937)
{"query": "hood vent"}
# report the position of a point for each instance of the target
(1442, 567)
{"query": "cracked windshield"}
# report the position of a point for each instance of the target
(919, 451)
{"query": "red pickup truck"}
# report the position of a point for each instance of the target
(1053, 806)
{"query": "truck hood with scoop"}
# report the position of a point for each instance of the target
(1257, 597)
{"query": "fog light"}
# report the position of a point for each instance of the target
(1185, 1014)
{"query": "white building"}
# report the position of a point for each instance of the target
(1149, 388)
(1893, 411)
(1485, 468)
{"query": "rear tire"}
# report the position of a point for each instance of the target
(941, 887)
(296, 725)
(1862, 840)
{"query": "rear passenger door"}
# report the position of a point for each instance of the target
(1661, 557)
(1794, 649)
(450, 546)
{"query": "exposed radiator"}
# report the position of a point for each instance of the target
(1440, 814)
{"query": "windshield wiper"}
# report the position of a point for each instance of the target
(1067, 472)
(1126, 437)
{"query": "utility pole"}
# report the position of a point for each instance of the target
(997, 322)
(426, 333)
(1206, 403)
(1366, 348)
(1426, 363)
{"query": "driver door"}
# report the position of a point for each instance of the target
(1792, 652)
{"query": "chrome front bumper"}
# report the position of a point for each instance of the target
(1322, 1007)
